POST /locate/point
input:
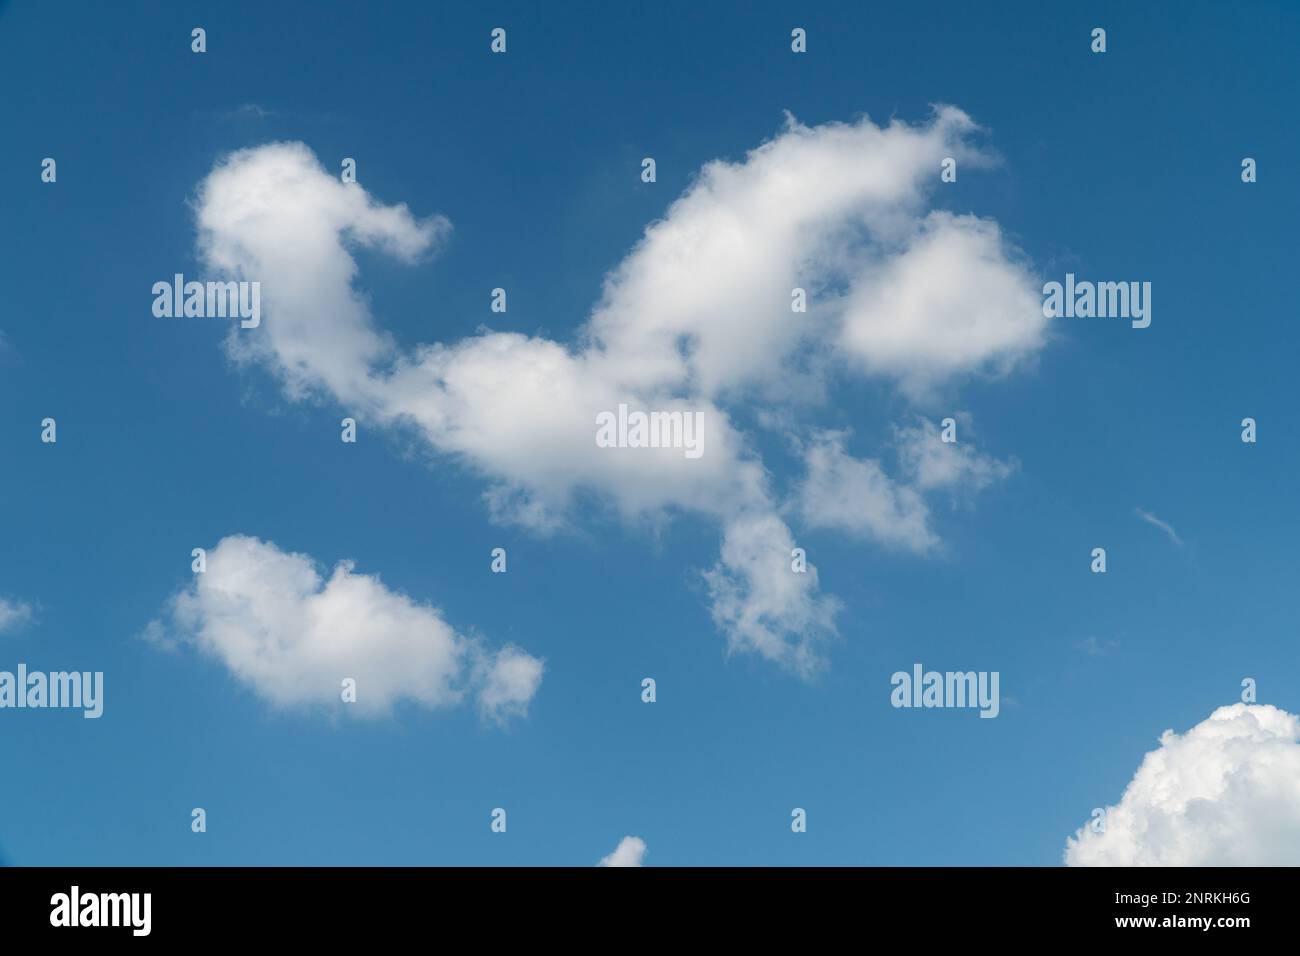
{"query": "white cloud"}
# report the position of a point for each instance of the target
(293, 637)
(855, 494)
(249, 111)
(522, 410)
(931, 463)
(1164, 526)
(760, 603)
(272, 215)
(1226, 793)
(629, 852)
(1094, 647)
(14, 614)
(697, 314)
(954, 301)
(511, 679)
(824, 209)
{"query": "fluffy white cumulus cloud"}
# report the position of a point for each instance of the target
(294, 636)
(13, 614)
(629, 852)
(272, 215)
(1226, 793)
(827, 209)
(952, 302)
(696, 320)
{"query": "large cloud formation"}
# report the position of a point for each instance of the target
(1226, 793)
(294, 637)
(697, 318)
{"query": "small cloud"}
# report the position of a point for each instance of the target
(934, 464)
(512, 679)
(155, 633)
(1095, 648)
(14, 614)
(1164, 526)
(249, 111)
(629, 852)
(293, 635)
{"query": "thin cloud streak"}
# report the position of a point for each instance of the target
(1164, 526)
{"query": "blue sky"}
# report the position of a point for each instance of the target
(1117, 166)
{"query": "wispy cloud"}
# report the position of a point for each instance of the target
(1164, 526)
(248, 111)
(1095, 648)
